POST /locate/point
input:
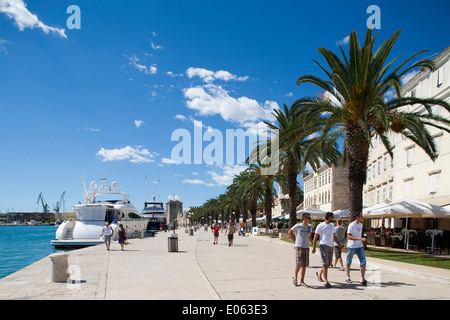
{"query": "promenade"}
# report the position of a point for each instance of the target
(254, 268)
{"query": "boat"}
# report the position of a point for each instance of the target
(155, 213)
(91, 217)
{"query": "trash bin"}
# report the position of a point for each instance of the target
(191, 232)
(60, 264)
(173, 243)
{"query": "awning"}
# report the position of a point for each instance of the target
(438, 201)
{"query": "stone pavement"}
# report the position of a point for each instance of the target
(254, 268)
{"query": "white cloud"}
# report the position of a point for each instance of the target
(193, 181)
(168, 161)
(134, 61)
(343, 41)
(180, 117)
(138, 123)
(225, 178)
(135, 155)
(209, 76)
(211, 99)
(156, 47)
(17, 11)
(407, 77)
(289, 94)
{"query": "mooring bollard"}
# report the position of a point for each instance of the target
(60, 265)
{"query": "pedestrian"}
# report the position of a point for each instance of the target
(355, 245)
(216, 234)
(230, 233)
(122, 236)
(107, 232)
(340, 234)
(327, 233)
(301, 234)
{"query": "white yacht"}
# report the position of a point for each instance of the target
(92, 215)
(155, 214)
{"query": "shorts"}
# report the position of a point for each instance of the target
(326, 254)
(337, 252)
(230, 237)
(216, 235)
(302, 256)
(359, 252)
(107, 239)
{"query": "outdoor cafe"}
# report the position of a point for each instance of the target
(407, 224)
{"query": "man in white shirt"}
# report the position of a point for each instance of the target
(355, 245)
(327, 234)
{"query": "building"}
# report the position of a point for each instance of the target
(326, 189)
(174, 212)
(411, 174)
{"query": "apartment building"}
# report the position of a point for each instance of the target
(411, 174)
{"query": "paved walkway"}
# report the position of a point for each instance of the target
(255, 268)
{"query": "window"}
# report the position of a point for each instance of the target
(413, 93)
(384, 194)
(440, 76)
(373, 170)
(378, 195)
(379, 166)
(408, 186)
(391, 191)
(409, 156)
(385, 160)
(434, 182)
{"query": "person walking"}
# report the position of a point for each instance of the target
(355, 245)
(340, 234)
(122, 236)
(230, 233)
(327, 233)
(216, 234)
(301, 234)
(107, 232)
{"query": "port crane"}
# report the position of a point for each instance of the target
(44, 204)
(60, 203)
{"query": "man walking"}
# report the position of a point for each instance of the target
(230, 233)
(301, 234)
(340, 234)
(327, 233)
(355, 245)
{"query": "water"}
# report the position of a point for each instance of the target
(21, 246)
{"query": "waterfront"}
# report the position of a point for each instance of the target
(21, 246)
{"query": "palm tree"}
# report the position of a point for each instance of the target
(358, 106)
(299, 144)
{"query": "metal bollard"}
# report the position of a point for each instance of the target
(60, 264)
(191, 232)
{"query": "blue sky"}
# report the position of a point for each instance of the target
(109, 95)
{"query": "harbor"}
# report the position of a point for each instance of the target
(254, 268)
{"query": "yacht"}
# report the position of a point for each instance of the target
(91, 217)
(155, 214)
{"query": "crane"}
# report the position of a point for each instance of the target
(60, 203)
(44, 204)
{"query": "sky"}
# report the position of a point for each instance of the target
(104, 89)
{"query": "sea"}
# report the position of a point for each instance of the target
(21, 246)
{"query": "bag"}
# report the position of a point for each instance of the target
(125, 242)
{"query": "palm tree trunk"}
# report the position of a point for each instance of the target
(268, 202)
(358, 152)
(253, 209)
(292, 172)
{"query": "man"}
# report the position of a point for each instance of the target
(301, 234)
(355, 245)
(107, 233)
(327, 233)
(340, 234)
(230, 232)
